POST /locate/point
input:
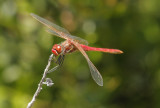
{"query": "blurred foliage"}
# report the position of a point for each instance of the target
(131, 80)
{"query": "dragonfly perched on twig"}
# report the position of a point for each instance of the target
(72, 44)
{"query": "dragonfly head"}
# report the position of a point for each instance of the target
(57, 49)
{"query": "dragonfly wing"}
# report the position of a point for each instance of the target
(74, 38)
(53, 32)
(51, 25)
(80, 40)
(94, 72)
(60, 59)
(58, 31)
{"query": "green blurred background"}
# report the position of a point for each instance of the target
(131, 80)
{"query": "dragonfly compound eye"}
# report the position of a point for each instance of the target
(58, 49)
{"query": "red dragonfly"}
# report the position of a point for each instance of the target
(72, 44)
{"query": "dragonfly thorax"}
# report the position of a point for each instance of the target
(57, 49)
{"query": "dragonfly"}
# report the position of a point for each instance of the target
(72, 44)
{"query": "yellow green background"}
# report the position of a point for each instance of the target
(131, 80)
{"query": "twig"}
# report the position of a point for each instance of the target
(48, 81)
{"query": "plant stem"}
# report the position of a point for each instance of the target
(42, 80)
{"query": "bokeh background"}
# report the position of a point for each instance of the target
(131, 80)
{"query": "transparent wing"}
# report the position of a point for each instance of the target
(57, 30)
(74, 38)
(53, 32)
(49, 24)
(94, 72)
(79, 40)
(60, 59)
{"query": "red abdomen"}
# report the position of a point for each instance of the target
(113, 51)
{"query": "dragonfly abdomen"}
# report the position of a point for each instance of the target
(113, 51)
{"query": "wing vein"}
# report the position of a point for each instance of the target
(94, 72)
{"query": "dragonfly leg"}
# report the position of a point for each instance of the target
(59, 61)
(54, 59)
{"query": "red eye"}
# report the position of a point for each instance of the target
(58, 49)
